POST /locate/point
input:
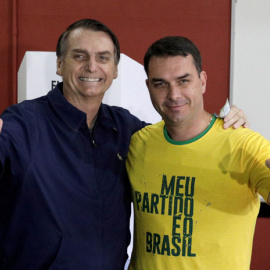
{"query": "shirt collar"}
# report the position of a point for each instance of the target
(72, 116)
(105, 118)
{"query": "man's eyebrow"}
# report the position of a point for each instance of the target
(104, 53)
(79, 51)
(85, 52)
(177, 78)
(157, 80)
(183, 76)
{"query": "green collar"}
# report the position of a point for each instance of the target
(170, 140)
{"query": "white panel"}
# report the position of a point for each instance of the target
(250, 68)
(131, 92)
(250, 56)
(37, 75)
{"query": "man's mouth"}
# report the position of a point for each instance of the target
(175, 105)
(83, 79)
(178, 103)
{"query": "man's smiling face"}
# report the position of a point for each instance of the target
(88, 66)
(176, 89)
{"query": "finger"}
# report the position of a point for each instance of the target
(246, 125)
(240, 122)
(234, 112)
(235, 122)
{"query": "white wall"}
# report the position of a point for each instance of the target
(250, 61)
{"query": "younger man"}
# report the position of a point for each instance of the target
(195, 186)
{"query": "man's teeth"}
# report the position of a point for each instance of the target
(89, 79)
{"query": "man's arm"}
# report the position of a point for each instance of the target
(235, 118)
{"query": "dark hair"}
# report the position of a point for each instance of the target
(173, 46)
(88, 24)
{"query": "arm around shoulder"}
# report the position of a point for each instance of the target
(235, 118)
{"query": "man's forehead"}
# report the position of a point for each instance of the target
(171, 63)
(87, 31)
(91, 37)
(171, 58)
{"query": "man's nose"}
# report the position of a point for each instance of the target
(91, 65)
(174, 92)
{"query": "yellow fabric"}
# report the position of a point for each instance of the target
(196, 204)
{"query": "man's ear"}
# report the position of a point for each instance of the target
(115, 74)
(203, 78)
(147, 83)
(59, 64)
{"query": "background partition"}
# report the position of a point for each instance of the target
(250, 90)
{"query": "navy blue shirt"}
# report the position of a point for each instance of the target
(64, 193)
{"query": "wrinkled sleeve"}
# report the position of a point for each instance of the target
(15, 141)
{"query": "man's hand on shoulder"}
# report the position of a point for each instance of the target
(1, 124)
(235, 118)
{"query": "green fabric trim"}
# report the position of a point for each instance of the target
(170, 140)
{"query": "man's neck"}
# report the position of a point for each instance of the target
(190, 129)
(88, 105)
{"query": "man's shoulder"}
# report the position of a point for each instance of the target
(120, 111)
(218, 127)
(121, 116)
(149, 132)
(239, 136)
(115, 109)
(25, 113)
(26, 106)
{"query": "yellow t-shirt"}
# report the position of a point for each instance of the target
(196, 202)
